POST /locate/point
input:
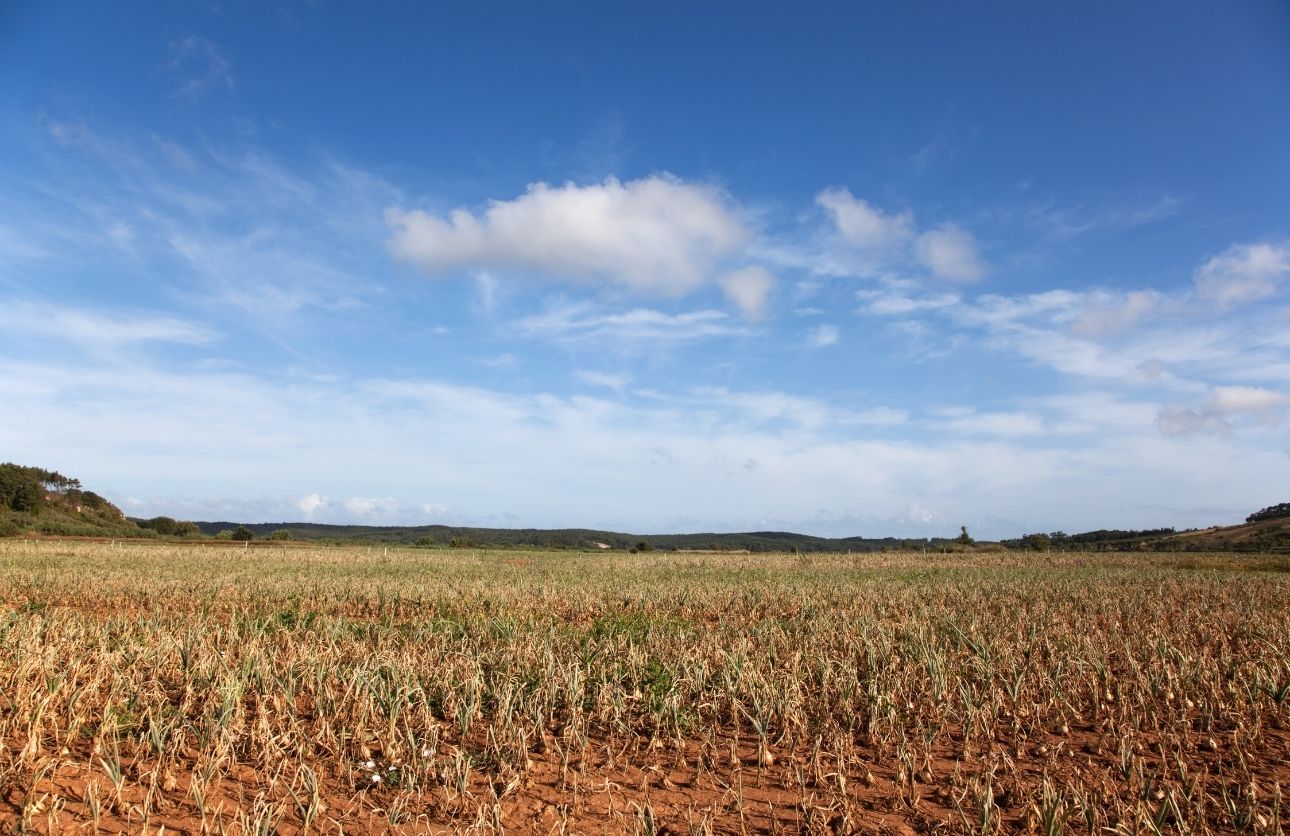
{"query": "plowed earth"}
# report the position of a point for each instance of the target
(1092, 764)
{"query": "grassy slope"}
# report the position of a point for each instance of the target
(1266, 535)
(67, 521)
(59, 516)
(40, 501)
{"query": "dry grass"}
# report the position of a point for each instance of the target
(216, 690)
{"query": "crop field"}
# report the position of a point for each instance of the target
(201, 689)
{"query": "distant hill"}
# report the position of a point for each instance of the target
(1258, 534)
(41, 501)
(1271, 535)
(569, 538)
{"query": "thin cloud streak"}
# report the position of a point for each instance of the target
(96, 329)
(638, 328)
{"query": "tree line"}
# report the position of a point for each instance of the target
(1272, 512)
(27, 490)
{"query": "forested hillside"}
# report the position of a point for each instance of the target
(573, 538)
(41, 501)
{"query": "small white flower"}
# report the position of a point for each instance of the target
(367, 764)
(376, 779)
(425, 752)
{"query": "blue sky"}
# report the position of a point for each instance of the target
(855, 269)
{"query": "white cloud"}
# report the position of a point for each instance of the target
(1115, 318)
(1096, 413)
(881, 416)
(879, 240)
(490, 455)
(950, 253)
(749, 288)
(896, 303)
(276, 241)
(863, 225)
(436, 511)
(1249, 400)
(505, 360)
(370, 506)
(1050, 307)
(822, 336)
(1225, 407)
(1243, 273)
(617, 382)
(1004, 424)
(795, 412)
(1181, 420)
(311, 503)
(657, 234)
(487, 286)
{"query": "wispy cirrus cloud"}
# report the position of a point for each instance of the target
(1061, 330)
(16, 247)
(97, 329)
(969, 421)
(1180, 341)
(771, 409)
(233, 232)
(637, 329)
(1065, 221)
(609, 380)
(896, 300)
(200, 66)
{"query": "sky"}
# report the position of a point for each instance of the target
(877, 269)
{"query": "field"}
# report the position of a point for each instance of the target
(207, 689)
